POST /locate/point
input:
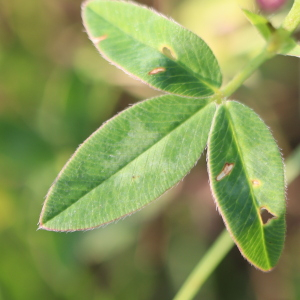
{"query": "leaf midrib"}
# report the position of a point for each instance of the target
(247, 176)
(214, 89)
(170, 132)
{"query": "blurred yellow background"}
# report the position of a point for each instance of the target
(55, 90)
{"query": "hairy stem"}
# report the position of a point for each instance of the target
(246, 72)
(224, 243)
(292, 20)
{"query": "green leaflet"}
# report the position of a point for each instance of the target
(246, 175)
(152, 48)
(128, 162)
(262, 24)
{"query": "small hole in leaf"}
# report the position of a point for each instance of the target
(157, 70)
(168, 53)
(266, 216)
(225, 171)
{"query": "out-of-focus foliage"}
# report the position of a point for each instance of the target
(55, 90)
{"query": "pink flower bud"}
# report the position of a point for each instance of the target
(270, 5)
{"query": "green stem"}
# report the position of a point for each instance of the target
(292, 166)
(290, 23)
(224, 243)
(206, 266)
(246, 72)
(292, 20)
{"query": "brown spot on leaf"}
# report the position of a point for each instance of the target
(168, 52)
(225, 171)
(99, 39)
(157, 70)
(266, 215)
(134, 177)
(256, 182)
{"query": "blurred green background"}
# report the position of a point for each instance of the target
(55, 90)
